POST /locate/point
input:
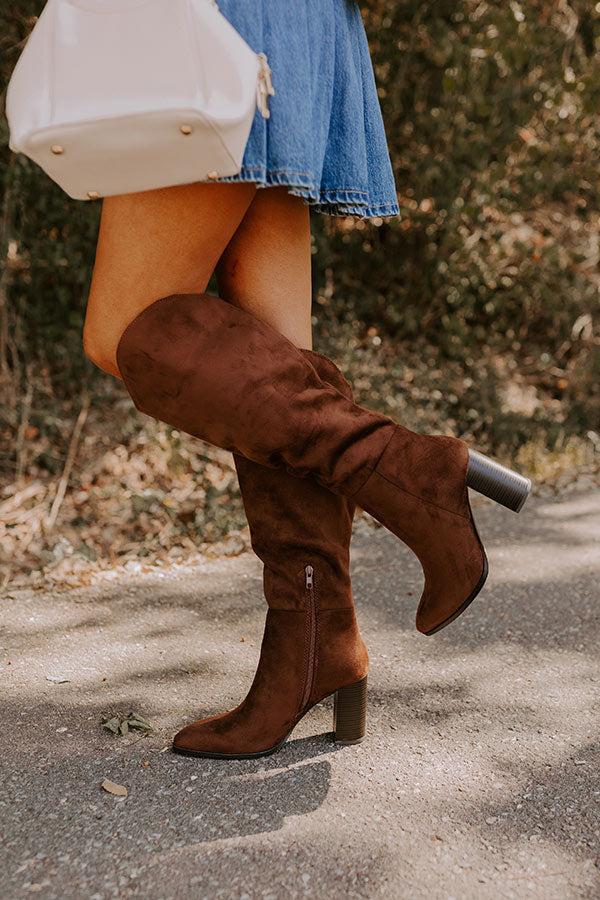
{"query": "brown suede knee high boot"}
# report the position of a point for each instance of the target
(311, 645)
(217, 372)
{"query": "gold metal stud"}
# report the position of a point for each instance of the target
(213, 176)
(93, 195)
(57, 149)
(186, 129)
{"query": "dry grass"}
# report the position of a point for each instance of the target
(91, 486)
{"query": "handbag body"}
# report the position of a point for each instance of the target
(118, 96)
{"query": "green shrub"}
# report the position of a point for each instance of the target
(491, 115)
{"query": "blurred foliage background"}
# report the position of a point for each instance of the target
(474, 312)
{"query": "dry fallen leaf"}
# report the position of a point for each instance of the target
(111, 724)
(138, 723)
(122, 724)
(119, 790)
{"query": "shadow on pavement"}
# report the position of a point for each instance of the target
(505, 694)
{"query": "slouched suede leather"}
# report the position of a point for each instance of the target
(221, 374)
(294, 523)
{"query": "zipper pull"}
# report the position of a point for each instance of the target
(264, 88)
(309, 571)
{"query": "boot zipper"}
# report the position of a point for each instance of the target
(309, 576)
(312, 632)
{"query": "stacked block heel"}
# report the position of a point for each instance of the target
(497, 482)
(350, 713)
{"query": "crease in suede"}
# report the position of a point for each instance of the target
(444, 509)
(371, 468)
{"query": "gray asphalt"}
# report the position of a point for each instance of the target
(480, 776)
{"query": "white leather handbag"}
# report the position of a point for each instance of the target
(116, 96)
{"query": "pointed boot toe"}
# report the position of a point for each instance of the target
(418, 490)
(443, 601)
(230, 735)
(189, 739)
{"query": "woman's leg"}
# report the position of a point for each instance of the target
(301, 531)
(266, 268)
(152, 244)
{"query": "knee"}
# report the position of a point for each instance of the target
(99, 347)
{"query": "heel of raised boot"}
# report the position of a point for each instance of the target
(350, 713)
(497, 482)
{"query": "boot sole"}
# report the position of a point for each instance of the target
(349, 723)
(182, 751)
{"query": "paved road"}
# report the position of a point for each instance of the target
(480, 777)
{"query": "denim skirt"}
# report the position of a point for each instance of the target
(325, 138)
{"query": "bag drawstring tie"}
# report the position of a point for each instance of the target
(265, 87)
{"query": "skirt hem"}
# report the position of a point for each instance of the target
(331, 201)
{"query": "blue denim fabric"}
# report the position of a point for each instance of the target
(325, 139)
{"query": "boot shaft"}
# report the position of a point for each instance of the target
(297, 524)
(221, 374)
